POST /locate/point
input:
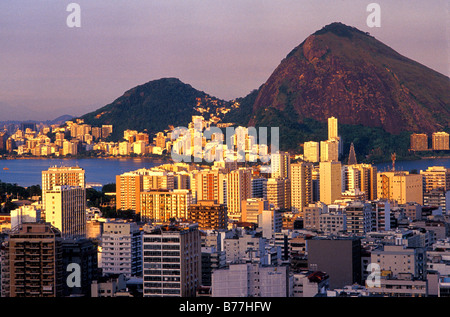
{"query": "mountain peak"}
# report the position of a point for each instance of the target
(343, 72)
(339, 29)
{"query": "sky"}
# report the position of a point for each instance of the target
(225, 48)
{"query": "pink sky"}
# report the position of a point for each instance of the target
(224, 47)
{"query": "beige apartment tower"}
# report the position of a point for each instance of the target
(329, 150)
(163, 204)
(209, 185)
(239, 188)
(332, 128)
(301, 186)
(440, 141)
(330, 181)
(311, 151)
(280, 164)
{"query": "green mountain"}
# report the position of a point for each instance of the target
(154, 106)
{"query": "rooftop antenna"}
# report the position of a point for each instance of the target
(393, 158)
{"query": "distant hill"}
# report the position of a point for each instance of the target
(13, 124)
(154, 106)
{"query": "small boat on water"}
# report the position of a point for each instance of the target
(5, 168)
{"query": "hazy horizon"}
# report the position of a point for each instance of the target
(224, 48)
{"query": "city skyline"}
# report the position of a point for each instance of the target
(225, 49)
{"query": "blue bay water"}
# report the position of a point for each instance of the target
(27, 172)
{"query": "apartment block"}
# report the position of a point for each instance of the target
(121, 248)
(359, 218)
(398, 259)
(251, 280)
(419, 142)
(59, 176)
(172, 260)
(301, 186)
(31, 262)
(440, 141)
(252, 208)
(400, 186)
(436, 177)
(162, 205)
(238, 190)
(209, 215)
(330, 182)
(65, 208)
(311, 151)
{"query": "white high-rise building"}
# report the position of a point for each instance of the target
(171, 260)
(280, 164)
(251, 280)
(65, 209)
(64, 175)
(25, 213)
(121, 248)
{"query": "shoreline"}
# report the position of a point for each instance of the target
(161, 158)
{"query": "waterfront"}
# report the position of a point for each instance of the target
(27, 172)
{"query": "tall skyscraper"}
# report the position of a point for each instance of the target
(172, 260)
(301, 186)
(59, 176)
(330, 181)
(332, 128)
(209, 185)
(280, 164)
(66, 210)
(279, 192)
(311, 151)
(128, 190)
(239, 188)
(31, 262)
